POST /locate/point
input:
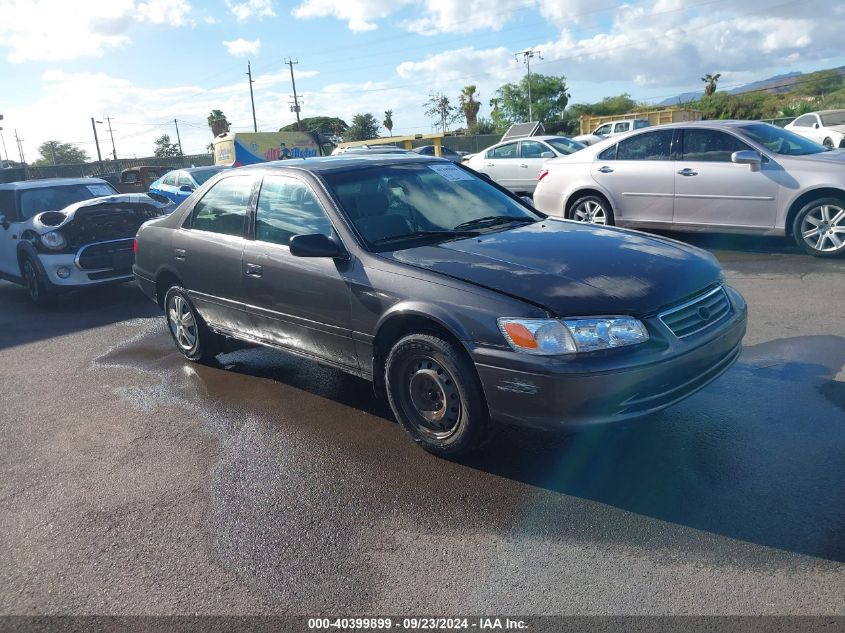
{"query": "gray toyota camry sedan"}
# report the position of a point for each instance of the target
(458, 300)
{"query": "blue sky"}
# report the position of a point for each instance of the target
(146, 62)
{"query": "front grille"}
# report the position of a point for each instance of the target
(111, 255)
(697, 315)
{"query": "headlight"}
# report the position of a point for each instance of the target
(551, 336)
(53, 240)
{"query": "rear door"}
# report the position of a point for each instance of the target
(501, 164)
(207, 251)
(9, 234)
(638, 172)
(710, 190)
(302, 303)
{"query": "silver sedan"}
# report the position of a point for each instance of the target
(710, 176)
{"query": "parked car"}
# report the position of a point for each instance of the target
(612, 128)
(826, 127)
(461, 302)
(139, 179)
(713, 176)
(516, 164)
(445, 152)
(67, 233)
(178, 184)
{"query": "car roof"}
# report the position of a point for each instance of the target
(342, 162)
(50, 182)
(191, 170)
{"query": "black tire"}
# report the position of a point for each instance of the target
(193, 339)
(828, 143)
(818, 225)
(35, 284)
(436, 395)
(593, 210)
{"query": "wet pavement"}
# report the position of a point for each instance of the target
(136, 482)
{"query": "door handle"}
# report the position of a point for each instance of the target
(605, 169)
(523, 165)
(180, 253)
(686, 171)
(253, 270)
(489, 165)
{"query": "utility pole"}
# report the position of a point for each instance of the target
(251, 98)
(5, 151)
(527, 56)
(178, 140)
(19, 140)
(96, 142)
(113, 150)
(295, 106)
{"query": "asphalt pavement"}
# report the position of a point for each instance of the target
(135, 482)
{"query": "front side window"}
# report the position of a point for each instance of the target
(779, 140)
(622, 127)
(169, 179)
(711, 146)
(656, 145)
(804, 121)
(603, 130)
(532, 149)
(508, 150)
(287, 207)
(223, 208)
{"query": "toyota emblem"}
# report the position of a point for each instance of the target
(704, 313)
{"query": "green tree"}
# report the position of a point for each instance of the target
(364, 126)
(549, 99)
(388, 121)
(218, 123)
(500, 122)
(163, 147)
(820, 83)
(482, 126)
(329, 127)
(58, 153)
(710, 82)
(469, 105)
(441, 111)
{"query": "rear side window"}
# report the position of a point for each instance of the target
(804, 121)
(287, 207)
(639, 124)
(711, 146)
(7, 205)
(508, 150)
(655, 145)
(609, 153)
(223, 209)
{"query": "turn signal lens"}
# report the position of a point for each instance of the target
(134, 246)
(537, 336)
(543, 174)
(551, 336)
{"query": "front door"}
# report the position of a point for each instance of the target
(302, 303)
(530, 163)
(639, 174)
(9, 235)
(501, 164)
(207, 251)
(710, 190)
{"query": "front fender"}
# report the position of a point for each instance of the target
(26, 248)
(425, 310)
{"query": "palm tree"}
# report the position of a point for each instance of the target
(469, 105)
(218, 123)
(710, 81)
(388, 121)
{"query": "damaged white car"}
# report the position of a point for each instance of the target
(68, 233)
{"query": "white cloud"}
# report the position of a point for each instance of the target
(243, 47)
(359, 15)
(50, 30)
(448, 16)
(243, 11)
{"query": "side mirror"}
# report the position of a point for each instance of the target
(186, 188)
(747, 157)
(315, 245)
(547, 155)
(816, 126)
(527, 200)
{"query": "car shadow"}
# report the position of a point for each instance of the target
(22, 322)
(755, 456)
(727, 243)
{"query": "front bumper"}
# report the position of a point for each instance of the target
(76, 276)
(558, 394)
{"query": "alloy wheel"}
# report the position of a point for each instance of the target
(31, 279)
(823, 228)
(590, 211)
(182, 323)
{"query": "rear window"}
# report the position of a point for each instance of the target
(35, 201)
(7, 205)
(201, 175)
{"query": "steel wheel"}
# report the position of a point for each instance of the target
(434, 396)
(828, 143)
(182, 323)
(592, 210)
(823, 228)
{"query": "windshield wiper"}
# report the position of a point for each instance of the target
(493, 220)
(415, 234)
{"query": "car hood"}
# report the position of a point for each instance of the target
(571, 268)
(836, 128)
(834, 157)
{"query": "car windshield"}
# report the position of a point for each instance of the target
(396, 203)
(202, 175)
(833, 118)
(564, 145)
(780, 141)
(55, 198)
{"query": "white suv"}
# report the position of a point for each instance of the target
(612, 128)
(65, 233)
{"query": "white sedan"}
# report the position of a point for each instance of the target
(826, 127)
(516, 164)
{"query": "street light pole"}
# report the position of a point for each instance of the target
(527, 56)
